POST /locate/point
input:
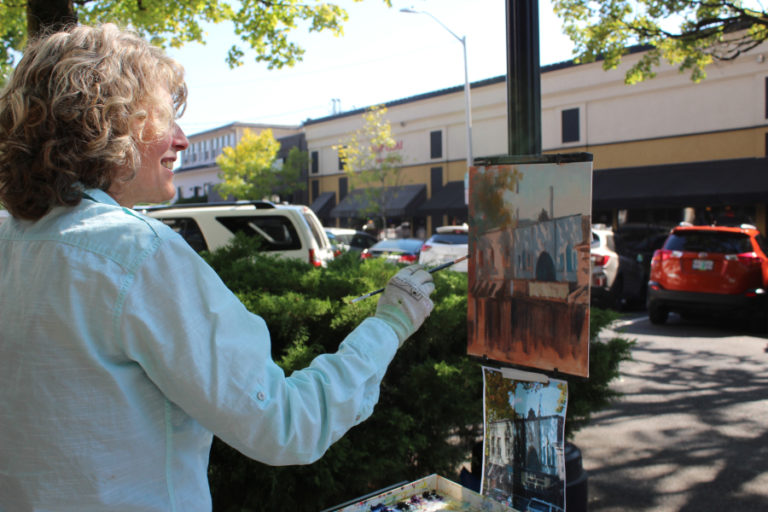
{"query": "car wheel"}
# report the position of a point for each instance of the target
(758, 323)
(657, 314)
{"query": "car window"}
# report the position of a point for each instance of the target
(397, 244)
(344, 238)
(449, 238)
(708, 241)
(362, 241)
(317, 230)
(275, 232)
(762, 243)
(189, 230)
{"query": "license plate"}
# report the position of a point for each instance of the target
(703, 264)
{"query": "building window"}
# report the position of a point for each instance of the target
(436, 144)
(315, 189)
(341, 161)
(766, 97)
(570, 120)
(343, 188)
(315, 162)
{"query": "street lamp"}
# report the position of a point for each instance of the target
(467, 101)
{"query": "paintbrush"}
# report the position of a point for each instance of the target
(431, 271)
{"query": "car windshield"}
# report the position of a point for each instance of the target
(708, 241)
(449, 238)
(345, 238)
(395, 244)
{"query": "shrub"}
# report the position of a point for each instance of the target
(430, 409)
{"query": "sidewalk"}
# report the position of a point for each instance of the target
(691, 432)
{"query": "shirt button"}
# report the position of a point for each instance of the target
(261, 396)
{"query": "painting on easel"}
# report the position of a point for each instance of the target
(529, 270)
(524, 443)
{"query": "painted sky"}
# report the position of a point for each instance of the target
(572, 184)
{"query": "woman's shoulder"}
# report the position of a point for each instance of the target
(116, 232)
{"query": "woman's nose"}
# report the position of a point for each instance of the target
(180, 141)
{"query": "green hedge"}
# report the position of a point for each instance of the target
(430, 409)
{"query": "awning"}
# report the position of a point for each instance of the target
(402, 201)
(447, 200)
(323, 204)
(674, 185)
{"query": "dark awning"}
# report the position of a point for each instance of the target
(323, 204)
(447, 200)
(402, 201)
(689, 184)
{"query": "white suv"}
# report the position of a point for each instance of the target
(617, 279)
(290, 231)
(446, 244)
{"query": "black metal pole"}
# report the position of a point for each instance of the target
(523, 78)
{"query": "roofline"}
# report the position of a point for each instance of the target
(557, 66)
(240, 124)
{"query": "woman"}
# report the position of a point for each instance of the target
(121, 351)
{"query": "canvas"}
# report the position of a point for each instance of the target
(529, 267)
(524, 446)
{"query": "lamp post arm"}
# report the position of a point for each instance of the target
(461, 39)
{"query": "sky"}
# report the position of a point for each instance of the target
(384, 55)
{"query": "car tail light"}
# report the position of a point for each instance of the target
(747, 258)
(365, 254)
(599, 280)
(665, 254)
(313, 259)
(425, 247)
(407, 258)
(600, 260)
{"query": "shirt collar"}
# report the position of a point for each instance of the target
(99, 196)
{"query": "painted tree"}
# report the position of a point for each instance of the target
(689, 34)
(249, 170)
(263, 26)
(372, 161)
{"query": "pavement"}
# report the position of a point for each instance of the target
(691, 431)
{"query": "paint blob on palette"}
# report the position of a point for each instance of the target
(429, 494)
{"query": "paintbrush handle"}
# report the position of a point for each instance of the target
(432, 270)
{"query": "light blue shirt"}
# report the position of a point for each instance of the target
(121, 351)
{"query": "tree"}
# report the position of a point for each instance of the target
(289, 178)
(249, 170)
(263, 25)
(687, 33)
(371, 160)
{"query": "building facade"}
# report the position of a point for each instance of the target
(665, 150)
(198, 173)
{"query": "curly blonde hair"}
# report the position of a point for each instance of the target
(74, 111)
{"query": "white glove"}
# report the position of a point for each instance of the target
(405, 303)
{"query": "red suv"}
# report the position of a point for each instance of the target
(713, 269)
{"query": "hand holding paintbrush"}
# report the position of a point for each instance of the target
(432, 270)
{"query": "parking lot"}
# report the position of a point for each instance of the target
(691, 432)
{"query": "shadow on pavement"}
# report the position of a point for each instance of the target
(691, 432)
